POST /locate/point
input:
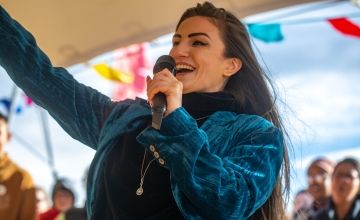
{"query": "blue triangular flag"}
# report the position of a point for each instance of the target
(18, 110)
(266, 32)
(5, 106)
(6, 103)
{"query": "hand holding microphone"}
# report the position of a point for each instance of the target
(164, 90)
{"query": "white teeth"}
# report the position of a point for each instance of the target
(184, 66)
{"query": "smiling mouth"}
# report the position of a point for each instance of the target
(183, 68)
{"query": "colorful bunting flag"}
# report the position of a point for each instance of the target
(345, 26)
(135, 60)
(266, 32)
(5, 106)
(18, 110)
(6, 103)
(28, 100)
(113, 74)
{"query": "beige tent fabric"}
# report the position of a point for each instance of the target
(71, 31)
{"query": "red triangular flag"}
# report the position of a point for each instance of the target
(345, 26)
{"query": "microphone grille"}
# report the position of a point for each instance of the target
(165, 61)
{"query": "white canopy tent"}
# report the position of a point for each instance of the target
(71, 32)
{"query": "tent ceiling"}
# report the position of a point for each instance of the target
(73, 31)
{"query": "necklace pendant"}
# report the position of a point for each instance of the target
(139, 191)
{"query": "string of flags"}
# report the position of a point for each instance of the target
(131, 64)
(6, 104)
(270, 33)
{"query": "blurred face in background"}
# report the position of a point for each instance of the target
(4, 135)
(345, 183)
(63, 200)
(319, 182)
(42, 201)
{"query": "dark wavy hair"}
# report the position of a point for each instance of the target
(251, 88)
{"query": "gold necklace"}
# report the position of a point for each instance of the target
(140, 190)
(198, 119)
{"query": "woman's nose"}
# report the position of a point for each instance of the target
(180, 50)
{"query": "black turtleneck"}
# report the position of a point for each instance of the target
(200, 105)
(116, 198)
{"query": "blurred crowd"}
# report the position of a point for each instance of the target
(63, 199)
(21, 199)
(333, 191)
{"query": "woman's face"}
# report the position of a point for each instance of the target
(345, 183)
(198, 51)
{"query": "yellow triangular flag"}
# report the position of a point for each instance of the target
(113, 74)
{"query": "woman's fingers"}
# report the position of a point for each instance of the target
(160, 83)
(167, 84)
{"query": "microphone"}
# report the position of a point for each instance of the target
(159, 100)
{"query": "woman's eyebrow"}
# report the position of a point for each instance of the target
(177, 35)
(199, 33)
(193, 35)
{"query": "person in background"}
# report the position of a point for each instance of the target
(17, 191)
(319, 182)
(302, 205)
(220, 152)
(42, 200)
(77, 213)
(63, 198)
(345, 196)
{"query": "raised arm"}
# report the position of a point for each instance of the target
(79, 109)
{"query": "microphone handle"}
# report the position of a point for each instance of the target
(158, 109)
(159, 100)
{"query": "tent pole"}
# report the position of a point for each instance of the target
(12, 106)
(45, 126)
